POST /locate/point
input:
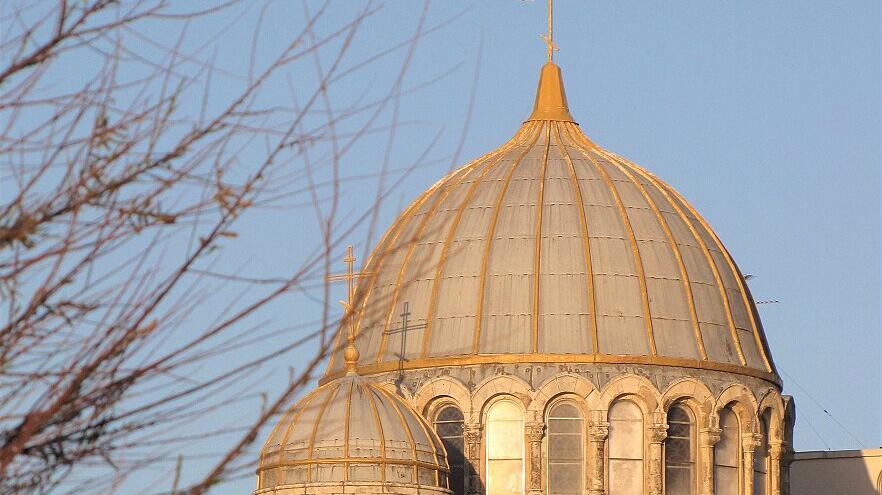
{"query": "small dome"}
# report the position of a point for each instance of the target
(552, 249)
(354, 433)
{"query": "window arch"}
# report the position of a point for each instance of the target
(505, 449)
(680, 452)
(625, 449)
(727, 455)
(448, 424)
(761, 457)
(566, 452)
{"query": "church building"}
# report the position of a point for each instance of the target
(548, 319)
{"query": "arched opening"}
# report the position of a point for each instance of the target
(680, 452)
(625, 449)
(566, 453)
(761, 457)
(505, 449)
(727, 455)
(448, 424)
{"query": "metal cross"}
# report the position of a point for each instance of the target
(549, 38)
(349, 277)
(405, 326)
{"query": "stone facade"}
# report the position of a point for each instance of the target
(351, 488)
(594, 388)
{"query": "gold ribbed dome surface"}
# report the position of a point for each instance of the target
(552, 249)
(350, 430)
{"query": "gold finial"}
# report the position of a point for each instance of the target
(350, 354)
(549, 38)
(551, 99)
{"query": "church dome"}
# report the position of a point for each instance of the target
(350, 432)
(551, 249)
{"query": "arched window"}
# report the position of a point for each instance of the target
(727, 455)
(565, 450)
(680, 453)
(625, 449)
(761, 458)
(505, 449)
(449, 426)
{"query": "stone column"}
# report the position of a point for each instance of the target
(598, 431)
(786, 459)
(535, 433)
(658, 431)
(473, 436)
(707, 440)
(774, 474)
(749, 443)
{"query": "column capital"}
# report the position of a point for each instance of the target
(599, 431)
(658, 432)
(535, 431)
(472, 432)
(710, 436)
(777, 449)
(751, 441)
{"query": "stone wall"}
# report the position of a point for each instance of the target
(852, 472)
(594, 388)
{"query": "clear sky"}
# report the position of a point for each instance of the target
(765, 115)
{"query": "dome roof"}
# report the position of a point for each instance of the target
(350, 430)
(552, 249)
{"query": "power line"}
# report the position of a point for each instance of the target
(821, 406)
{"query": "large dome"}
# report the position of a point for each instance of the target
(552, 249)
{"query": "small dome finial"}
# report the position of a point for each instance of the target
(351, 356)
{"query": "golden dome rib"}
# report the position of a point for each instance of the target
(380, 433)
(586, 241)
(315, 427)
(290, 425)
(463, 173)
(674, 248)
(635, 249)
(346, 429)
(537, 255)
(442, 258)
(413, 442)
(751, 315)
(407, 431)
(489, 244)
(379, 256)
(724, 296)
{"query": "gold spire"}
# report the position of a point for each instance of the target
(551, 99)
